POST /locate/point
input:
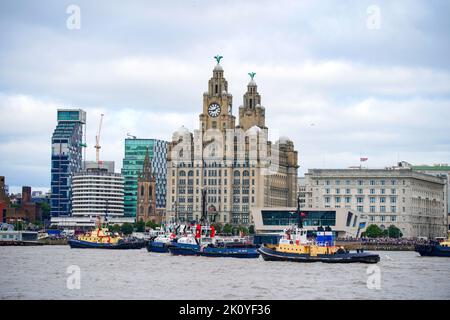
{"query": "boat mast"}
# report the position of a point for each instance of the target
(204, 217)
(299, 215)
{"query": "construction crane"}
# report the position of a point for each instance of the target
(131, 136)
(97, 140)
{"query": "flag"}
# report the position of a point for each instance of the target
(363, 159)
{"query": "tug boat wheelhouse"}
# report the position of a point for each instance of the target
(160, 243)
(294, 246)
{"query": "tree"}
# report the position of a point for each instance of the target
(251, 229)
(127, 228)
(373, 231)
(140, 226)
(151, 224)
(394, 232)
(217, 227)
(114, 228)
(45, 207)
(19, 225)
(242, 229)
(227, 229)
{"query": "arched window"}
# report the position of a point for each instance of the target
(182, 173)
(246, 173)
(237, 173)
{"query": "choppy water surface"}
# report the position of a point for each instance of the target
(41, 273)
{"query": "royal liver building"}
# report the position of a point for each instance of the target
(234, 164)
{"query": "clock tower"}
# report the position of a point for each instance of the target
(217, 102)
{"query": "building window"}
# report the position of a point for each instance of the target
(393, 199)
(383, 209)
(359, 199)
(360, 208)
(372, 218)
(337, 199)
(383, 218)
(393, 218)
(372, 209)
(372, 191)
(383, 199)
(327, 199)
(347, 191)
(347, 199)
(393, 209)
(338, 191)
(372, 199)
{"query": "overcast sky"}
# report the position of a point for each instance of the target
(340, 84)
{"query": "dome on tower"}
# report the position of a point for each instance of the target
(252, 83)
(181, 131)
(284, 140)
(218, 67)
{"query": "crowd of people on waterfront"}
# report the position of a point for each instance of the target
(387, 241)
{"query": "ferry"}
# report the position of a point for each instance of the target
(102, 238)
(295, 246)
(434, 249)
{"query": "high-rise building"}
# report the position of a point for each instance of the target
(135, 152)
(412, 201)
(66, 157)
(97, 191)
(237, 166)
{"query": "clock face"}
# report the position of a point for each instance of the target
(214, 110)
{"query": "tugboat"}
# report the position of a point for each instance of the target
(294, 246)
(160, 243)
(102, 238)
(204, 243)
(434, 249)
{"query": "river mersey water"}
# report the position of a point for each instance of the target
(41, 273)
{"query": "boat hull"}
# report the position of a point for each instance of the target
(428, 250)
(160, 247)
(79, 244)
(239, 252)
(361, 257)
(184, 249)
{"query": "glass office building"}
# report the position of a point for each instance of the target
(66, 158)
(289, 218)
(135, 150)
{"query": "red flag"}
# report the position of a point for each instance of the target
(198, 231)
(213, 232)
(363, 159)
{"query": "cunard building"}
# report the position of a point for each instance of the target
(230, 159)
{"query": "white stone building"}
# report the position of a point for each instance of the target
(414, 202)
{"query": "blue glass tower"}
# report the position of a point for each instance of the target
(67, 144)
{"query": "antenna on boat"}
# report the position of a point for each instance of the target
(299, 214)
(204, 216)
